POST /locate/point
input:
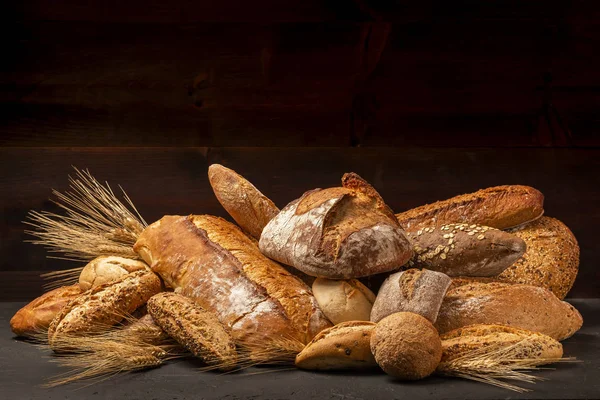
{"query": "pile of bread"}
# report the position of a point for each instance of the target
(458, 275)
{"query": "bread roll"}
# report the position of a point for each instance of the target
(406, 346)
(500, 207)
(417, 291)
(37, 315)
(244, 202)
(551, 259)
(344, 300)
(104, 305)
(337, 233)
(194, 328)
(105, 269)
(521, 306)
(462, 249)
(214, 263)
(344, 346)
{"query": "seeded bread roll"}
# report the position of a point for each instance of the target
(500, 207)
(532, 345)
(105, 269)
(245, 203)
(521, 306)
(551, 259)
(406, 346)
(344, 300)
(417, 291)
(37, 315)
(462, 249)
(214, 263)
(194, 328)
(104, 305)
(343, 346)
(337, 233)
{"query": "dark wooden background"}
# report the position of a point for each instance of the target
(424, 100)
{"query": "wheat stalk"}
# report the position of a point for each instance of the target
(498, 363)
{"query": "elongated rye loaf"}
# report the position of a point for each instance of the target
(500, 207)
(215, 264)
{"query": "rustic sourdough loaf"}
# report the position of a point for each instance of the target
(500, 207)
(343, 300)
(343, 346)
(551, 259)
(463, 249)
(105, 269)
(522, 306)
(244, 202)
(38, 314)
(337, 233)
(214, 263)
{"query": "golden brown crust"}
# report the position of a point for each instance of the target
(551, 259)
(343, 300)
(105, 269)
(243, 201)
(194, 328)
(38, 314)
(522, 306)
(500, 207)
(104, 305)
(466, 280)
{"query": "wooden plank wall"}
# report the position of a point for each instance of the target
(424, 99)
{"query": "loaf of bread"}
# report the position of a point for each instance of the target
(105, 269)
(337, 233)
(37, 315)
(462, 249)
(343, 300)
(194, 328)
(406, 346)
(461, 341)
(416, 291)
(521, 306)
(244, 202)
(551, 259)
(104, 305)
(500, 207)
(214, 263)
(466, 280)
(343, 346)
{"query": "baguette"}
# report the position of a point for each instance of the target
(105, 269)
(500, 207)
(521, 306)
(241, 199)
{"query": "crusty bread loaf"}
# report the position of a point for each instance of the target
(337, 233)
(462, 249)
(500, 207)
(406, 346)
(343, 300)
(104, 305)
(522, 306)
(466, 280)
(245, 203)
(551, 259)
(417, 291)
(37, 315)
(214, 263)
(194, 328)
(343, 346)
(105, 269)
(459, 342)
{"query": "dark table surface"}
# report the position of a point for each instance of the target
(25, 368)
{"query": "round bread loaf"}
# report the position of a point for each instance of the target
(106, 269)
(344, 300)
(406, 346)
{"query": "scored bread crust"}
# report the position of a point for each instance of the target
(214, 263)
(337, 233)
(500, 207)
(39, 313)
(105, 269)
(522, 306)
(551, 259)
(104, 305)
(241, 199)
(194, 328)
